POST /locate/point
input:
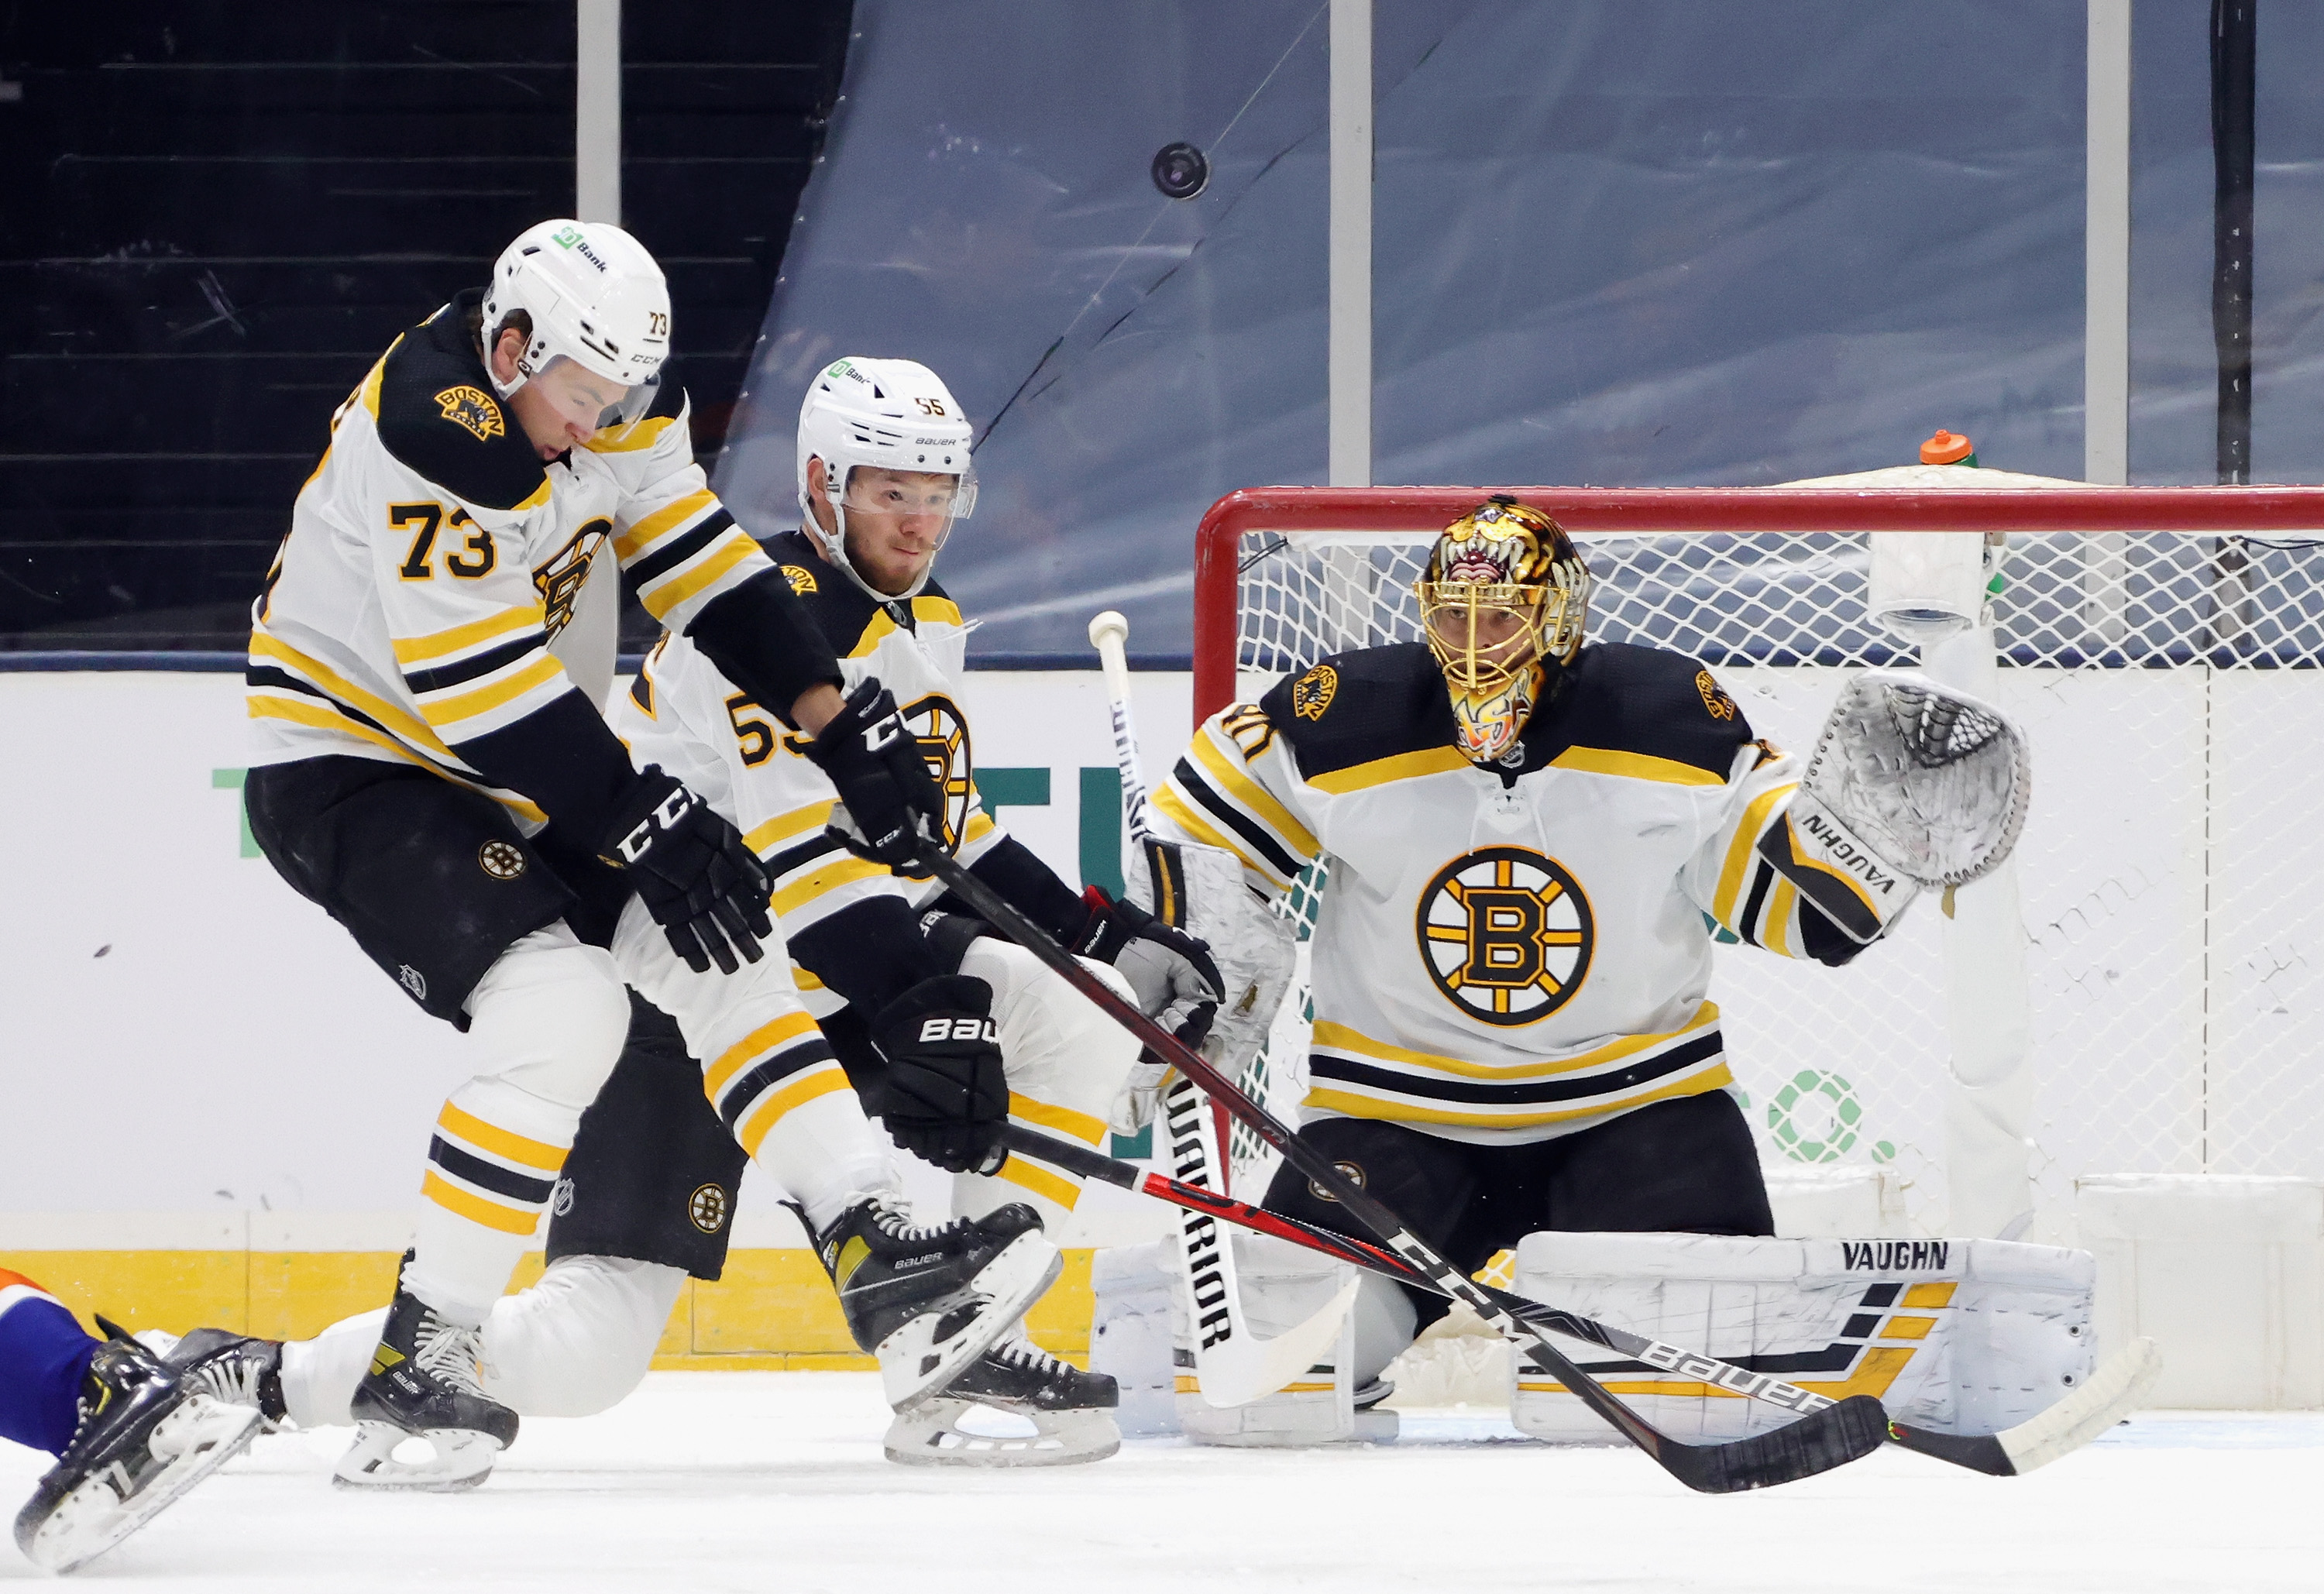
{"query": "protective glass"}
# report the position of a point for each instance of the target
(583, 395)
(879, 490)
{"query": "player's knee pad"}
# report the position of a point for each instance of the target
(548, 1019)
(1964, 1336)
(1277, 1287)
(1060, 1050)
(579, 1341)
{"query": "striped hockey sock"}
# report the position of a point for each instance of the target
(491, 1169)
(787, 1101)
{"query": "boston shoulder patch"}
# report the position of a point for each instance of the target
(1714, 695)
(802, 579)
(1312, 693)
(473, 409)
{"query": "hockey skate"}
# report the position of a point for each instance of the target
(928, 1300)
(147, 1434)
(423, 1385)
(1066, 1408)
(234, 1369)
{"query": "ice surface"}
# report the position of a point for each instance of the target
(774, 1482)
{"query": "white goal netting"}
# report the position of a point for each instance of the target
(2173, 875)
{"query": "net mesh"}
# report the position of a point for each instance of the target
(2170, 877)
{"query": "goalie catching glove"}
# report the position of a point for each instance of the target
(706, 890)
(948, 1098)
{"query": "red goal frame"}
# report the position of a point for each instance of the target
(2217, 511)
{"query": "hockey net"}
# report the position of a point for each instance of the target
(2160, 647)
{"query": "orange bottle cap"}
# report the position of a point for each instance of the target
(1946, 448)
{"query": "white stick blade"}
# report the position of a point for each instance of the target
(2113, 1391)
(1243, 1368)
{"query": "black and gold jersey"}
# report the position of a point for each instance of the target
(1510, 952)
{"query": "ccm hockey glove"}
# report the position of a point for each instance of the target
(705, 889)
(1176, 983)
(885, 791)
(947, 1098)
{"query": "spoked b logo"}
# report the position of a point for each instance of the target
(1505, 933)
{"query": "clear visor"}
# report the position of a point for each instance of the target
(1483, 633)
(580, 395)
(936, 496)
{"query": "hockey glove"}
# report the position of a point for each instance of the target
(705, 889)
(885, 791)
(948, 1098)
(1176, 983)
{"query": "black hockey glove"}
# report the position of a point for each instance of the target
(705, 889)
(884, 786)
(1176, 983)
(947, 1098)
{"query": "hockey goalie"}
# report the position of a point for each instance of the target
(1531, 844)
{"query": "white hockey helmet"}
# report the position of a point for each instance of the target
(595, 297)
(891, 415)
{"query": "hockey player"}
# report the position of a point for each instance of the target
(425, 771)
(130, 1434)
(1532, 842)
(949, 1035)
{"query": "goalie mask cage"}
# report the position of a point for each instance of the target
(2160, 647)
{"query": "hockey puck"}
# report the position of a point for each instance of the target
(1181, 171)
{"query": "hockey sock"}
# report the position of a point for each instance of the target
(44, 1355)
(810, 1133)
(1049, 1191)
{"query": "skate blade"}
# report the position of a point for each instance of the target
(913, 1365)
(462, 1459)
(191, 1442)
(930, 1435)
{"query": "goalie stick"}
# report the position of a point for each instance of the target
(1232, 1365)
(2108, 1395)
(1841, 1432)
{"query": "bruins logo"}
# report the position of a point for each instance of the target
(560, 580)
(472, 408)
(937, 724)
(1714, 697)
(1311, 694)
(706, 1207)
(802, 580)
(501, 860)
(1505, 933)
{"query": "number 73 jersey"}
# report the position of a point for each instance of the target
(1509, 952)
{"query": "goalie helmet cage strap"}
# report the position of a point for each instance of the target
(1738, 511)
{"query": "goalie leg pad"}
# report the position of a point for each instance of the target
(1961, 1336)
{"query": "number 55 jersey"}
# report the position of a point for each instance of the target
(1508, 953)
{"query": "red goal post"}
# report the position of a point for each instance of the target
(2164, 648)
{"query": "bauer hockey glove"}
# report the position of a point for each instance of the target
(885, 791)
(947, 1098)
(705, 889)
(1176, 983)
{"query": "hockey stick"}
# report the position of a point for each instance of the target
(1817, 1441)
(1232, 1365)
(2108, 1395)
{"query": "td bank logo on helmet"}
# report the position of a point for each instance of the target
(573, 238)
(1506, 934)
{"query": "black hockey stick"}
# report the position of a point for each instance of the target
(1817, 1441)
(2104, 1400)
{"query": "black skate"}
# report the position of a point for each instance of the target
(423, 1383)
(147, 1434)
(1064, 1406)
(236, 1369)
(928, 1301)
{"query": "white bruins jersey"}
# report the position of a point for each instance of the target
(685, 716)
(1511, 952)
(433, 557)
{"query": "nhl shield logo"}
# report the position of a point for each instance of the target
(473, 409)
(1505, 933)
(412, 981)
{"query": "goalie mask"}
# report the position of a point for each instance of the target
(1503, 603)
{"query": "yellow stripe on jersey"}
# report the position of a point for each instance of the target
(322, 716)
(1339, 1037)
(666, 595)
(1780, 902)
(394, 719)
(476, 1209)
(1042, 1115)
(823, 1079)
(451, 711)
(1692, 1084)
(535, 499)
(631, 439)
(980, 826)
(767, 1038)
(629, 544)
(1739, 851)
(1403, 766)
(367, 394)
(1184, 816)
(458, 639)
(1040, 1181)
(763, 839)
(1637, 766)
(880, 628)
(943, 611)
(843, 871)
(1236, 782)
(500, 1142)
